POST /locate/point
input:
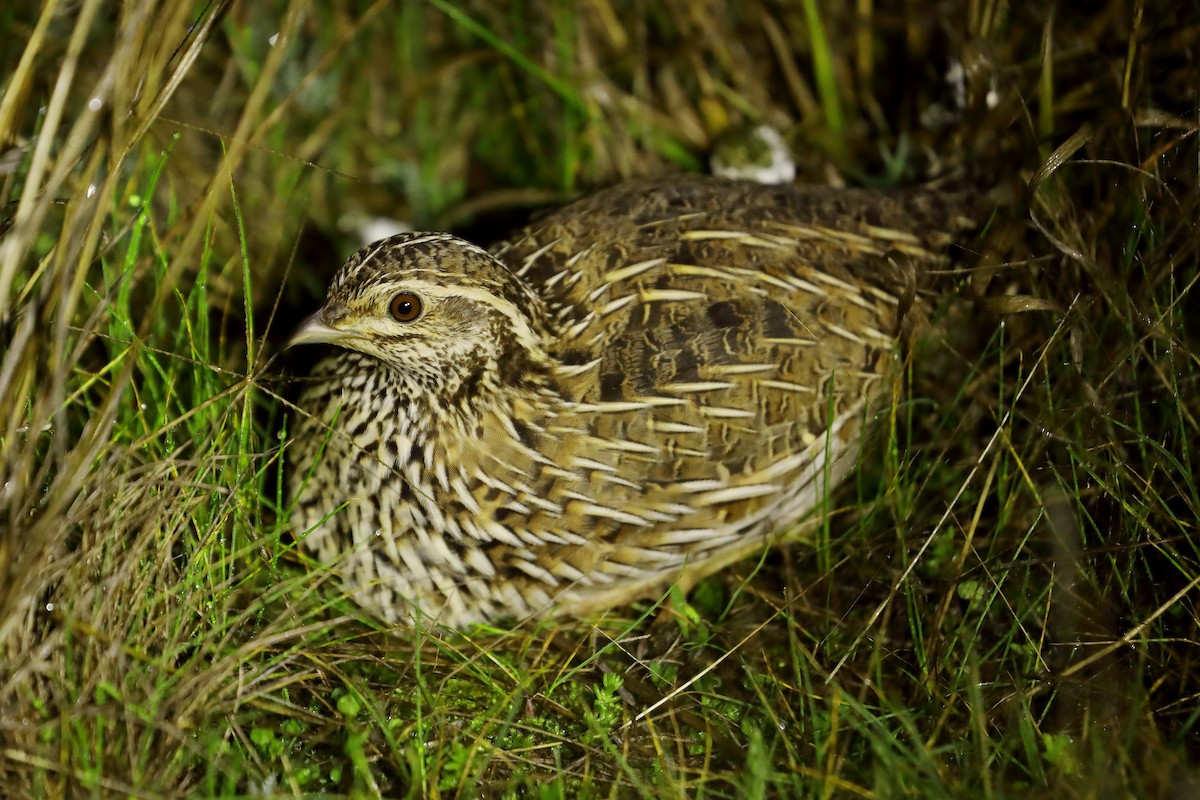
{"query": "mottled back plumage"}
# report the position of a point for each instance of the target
(643, 387)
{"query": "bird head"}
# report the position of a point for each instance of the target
(437, 309)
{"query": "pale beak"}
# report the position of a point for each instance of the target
(314, 330)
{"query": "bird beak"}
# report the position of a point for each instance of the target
(314, 330)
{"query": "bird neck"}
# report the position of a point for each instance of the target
(489, 381)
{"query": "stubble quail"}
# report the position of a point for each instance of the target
(642, 388)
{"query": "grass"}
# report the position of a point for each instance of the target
(1002, 603)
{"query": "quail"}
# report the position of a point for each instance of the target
(638, 389)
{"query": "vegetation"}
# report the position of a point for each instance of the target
(1002, 603)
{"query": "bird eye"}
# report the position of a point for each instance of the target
(405, 307)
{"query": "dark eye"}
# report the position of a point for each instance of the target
(405, 307)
